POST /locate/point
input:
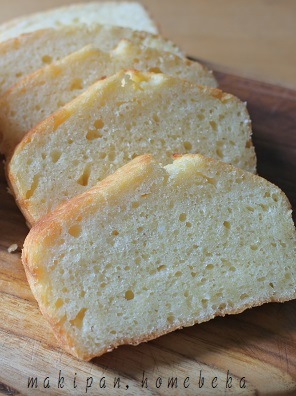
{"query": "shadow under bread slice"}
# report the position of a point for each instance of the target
(29, 52)
(116, 119)
(152, 249)
(41, 93)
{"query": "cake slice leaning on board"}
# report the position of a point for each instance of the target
(41, 93)
(152, 249)
(113, 121)
(126, 14)
(29, 52)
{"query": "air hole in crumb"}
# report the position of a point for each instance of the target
(75, 230)
(55, 155)
(178, 274)
(209, 266)
(111, 156)
(115, 233)
(271, 284)
(254, 247)
(135, 205)
(83, 179)
(113, 332)
(182, 217)
(188, 224)
(155, 118)
(187, 146)
(129, 295)
(46, 59)
(250, 209)
(34, 185)
(76, 84)
(261, 279)
(243, 296)
(170, 319)
(213, 125)
(221, 307)
(249, 144)
(274, 197)
(98, 124)
(77, 322)
(204, 302)
(161, 267)
(59, 303)
(155, 70)
(226, 224)
(93, 134)
(219, 152)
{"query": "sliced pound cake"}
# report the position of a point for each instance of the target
(126, 14)
(38, 95)
(116, 119)
(31, 51)
(152, 249)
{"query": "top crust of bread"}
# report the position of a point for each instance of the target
(210, 238)
(125, 14)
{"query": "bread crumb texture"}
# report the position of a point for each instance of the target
(116, 119)
(152, 249)
(41, 93)
(49, 45)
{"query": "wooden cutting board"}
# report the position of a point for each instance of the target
(253, 353)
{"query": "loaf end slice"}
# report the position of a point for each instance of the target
(151, 249)
(126, 14)
(41, 93)
(116, 119)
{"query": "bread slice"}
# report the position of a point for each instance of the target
(117, 119)
(38, 95)
(152, 249)
(126, 14)
(31, 51)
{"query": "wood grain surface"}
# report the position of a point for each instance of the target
(256, 348)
